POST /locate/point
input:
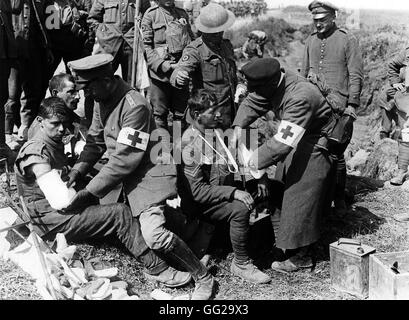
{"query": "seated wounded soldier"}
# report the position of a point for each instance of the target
(40, 170)
(206, 187)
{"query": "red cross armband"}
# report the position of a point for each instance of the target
(133, 138)
(289, 133)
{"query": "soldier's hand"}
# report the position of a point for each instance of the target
(244, 197)
(399, 86)
(73, 176)
(182, 78)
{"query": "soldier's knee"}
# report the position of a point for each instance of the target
(156, 236)
(240, 212)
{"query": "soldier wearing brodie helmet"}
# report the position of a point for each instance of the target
(209, 60)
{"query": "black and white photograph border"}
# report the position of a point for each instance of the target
(363, 249)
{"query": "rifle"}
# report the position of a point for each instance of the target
(40, 24)
(135, 42)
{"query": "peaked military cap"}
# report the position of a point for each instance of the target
(320, 9)
(262, 70)
(90, 68)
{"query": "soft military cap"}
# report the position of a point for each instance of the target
(320, 9)
(260, 71)
(90, 68)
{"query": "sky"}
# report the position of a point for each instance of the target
(352, 4)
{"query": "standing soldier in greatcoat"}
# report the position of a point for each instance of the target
(166, 32)
(333, 54)
(209, 60)
(298, 148)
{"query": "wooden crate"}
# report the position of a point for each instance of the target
(384, 283)
(350, 268)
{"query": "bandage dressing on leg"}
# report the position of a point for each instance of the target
(55, 190)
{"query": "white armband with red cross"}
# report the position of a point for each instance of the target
(133, 138)
(289, 133)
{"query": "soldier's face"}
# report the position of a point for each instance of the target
(213, 37)
(211, 118)
(54, 127)
(166, 3)
(70, 95)
(100, 89)
(324, 24)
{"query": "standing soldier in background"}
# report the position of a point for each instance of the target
(398, 82)
(35, 57)
(209, 60)
(166, 32)
(8, 54)
(333, 54)
(113, 24)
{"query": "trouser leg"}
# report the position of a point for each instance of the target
(160, 239)
(34, 72)
(4, 77)
(238, 215)
(126, 62)
(101, 221)
(160, 94)
(386, 121)
(12, 107)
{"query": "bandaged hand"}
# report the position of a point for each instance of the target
(82, 199)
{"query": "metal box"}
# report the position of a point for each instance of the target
(389, 276)
(350, 266)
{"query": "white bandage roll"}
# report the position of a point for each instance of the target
(55, 190)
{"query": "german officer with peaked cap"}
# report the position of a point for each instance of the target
(333, 53)
(122, 125)
(209, 60)
(298, 148)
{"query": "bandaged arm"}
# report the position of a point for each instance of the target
(54, 189)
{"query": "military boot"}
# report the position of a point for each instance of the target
(181, 255)
(400, 178)
(249, 272)
(157, 270)
(298, 261)
(170, 278)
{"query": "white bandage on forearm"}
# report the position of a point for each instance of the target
(55, 190)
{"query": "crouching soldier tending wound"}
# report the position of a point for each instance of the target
(39, 181)
(122, 124)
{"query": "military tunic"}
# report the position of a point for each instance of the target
(300, 151)
(123, 126)
(337, 57)
(163, 96)
(211, 69)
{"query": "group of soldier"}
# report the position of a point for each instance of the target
(193, 77)
(246, 8)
